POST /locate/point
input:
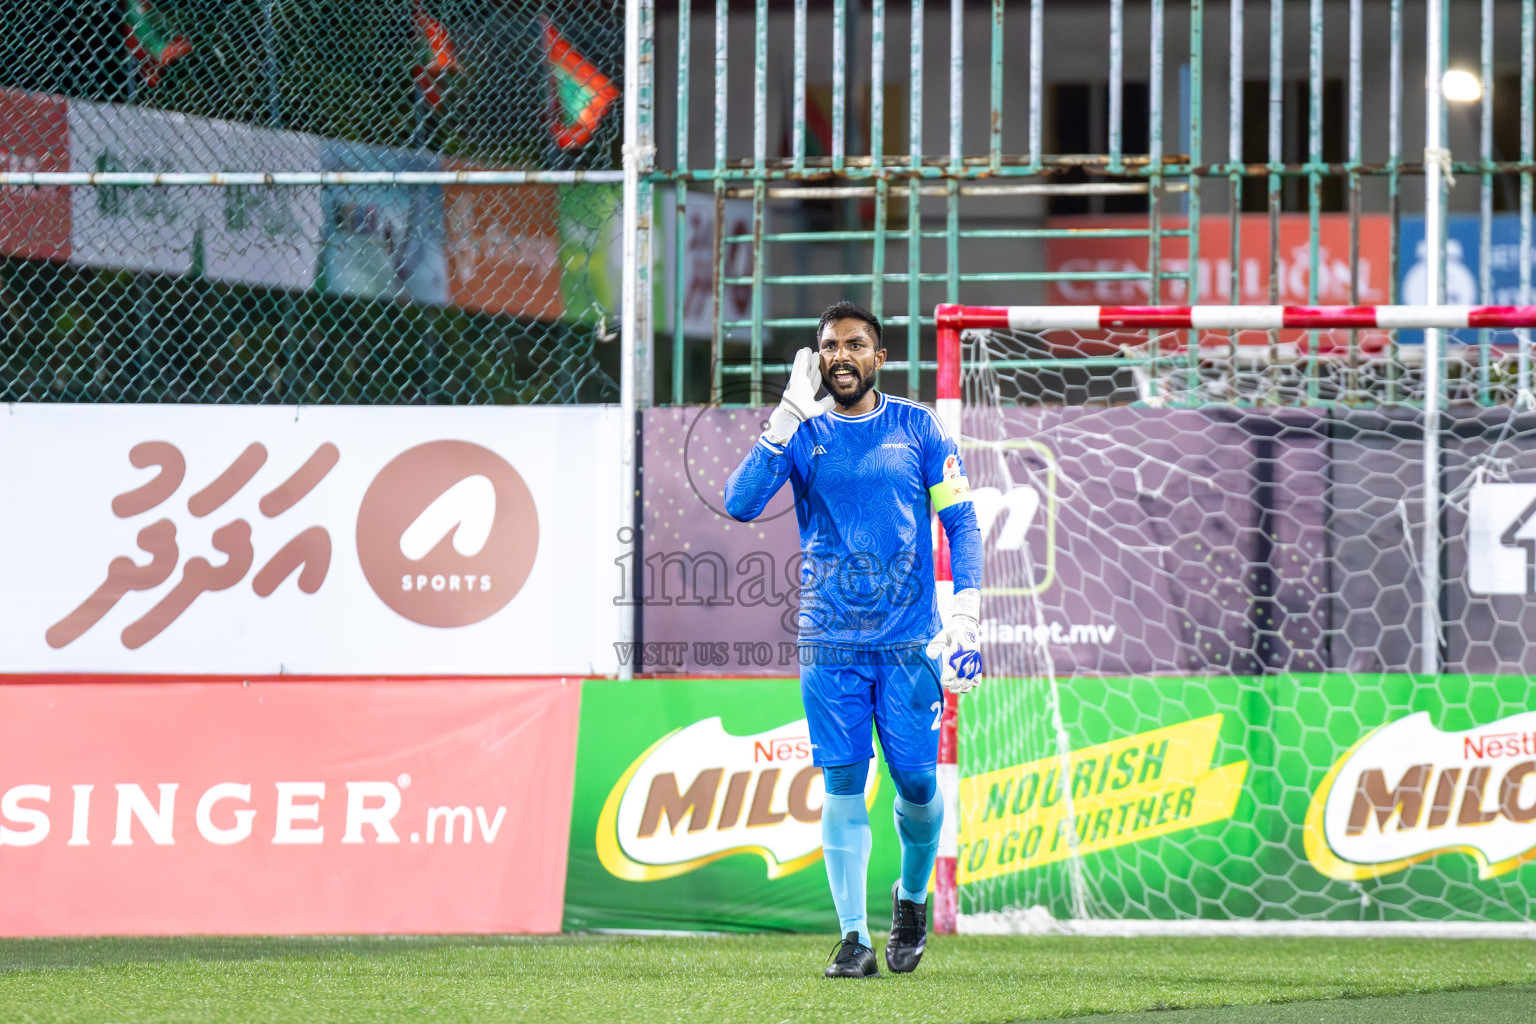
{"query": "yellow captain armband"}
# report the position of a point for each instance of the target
(949, 491)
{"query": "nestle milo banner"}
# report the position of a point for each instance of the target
(1287, 797)
(1122, 791)
(697, 807)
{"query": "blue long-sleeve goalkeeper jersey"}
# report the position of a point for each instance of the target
(863, 487)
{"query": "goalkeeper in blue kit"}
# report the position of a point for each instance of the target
(866, 468)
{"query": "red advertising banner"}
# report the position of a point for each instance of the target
(34, 136)
(1213, 274)
(503, 248)
(285, 807)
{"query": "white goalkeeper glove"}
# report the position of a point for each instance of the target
(799, 402)
(958, 645)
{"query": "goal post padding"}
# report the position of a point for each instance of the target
(1202, 619)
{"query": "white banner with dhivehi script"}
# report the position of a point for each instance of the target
(322, 539)
(269, 236)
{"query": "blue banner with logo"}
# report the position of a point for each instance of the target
(1463, 267)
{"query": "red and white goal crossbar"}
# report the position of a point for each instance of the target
(1233, 318)
(952, 319)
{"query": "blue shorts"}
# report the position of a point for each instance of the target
(844, 688)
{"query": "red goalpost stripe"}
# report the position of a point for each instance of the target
(958, 318)
(1265, 317)
(1501, 316)
(1172, 317)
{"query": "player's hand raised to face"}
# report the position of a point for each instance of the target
(799, 402)
(804, 382)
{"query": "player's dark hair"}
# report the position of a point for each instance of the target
(846, 310)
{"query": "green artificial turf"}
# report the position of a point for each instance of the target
(769, 978)
(1466, 1006)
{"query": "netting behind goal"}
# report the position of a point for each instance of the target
(1209, 692)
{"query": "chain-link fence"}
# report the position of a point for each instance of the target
(371, 290)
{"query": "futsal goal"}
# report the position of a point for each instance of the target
(1259, 589)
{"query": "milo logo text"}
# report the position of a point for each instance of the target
(700, 794)
(1409, 791)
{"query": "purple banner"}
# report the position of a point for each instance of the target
(718, 597)
(1132, 540)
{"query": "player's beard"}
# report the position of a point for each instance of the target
(857, 391)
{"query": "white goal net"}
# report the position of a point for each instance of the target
(1210, 696)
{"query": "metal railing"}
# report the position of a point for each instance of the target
(789, 145)
(903, 232)
(392, 202)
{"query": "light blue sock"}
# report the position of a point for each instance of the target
(918, 826)
(845, 845)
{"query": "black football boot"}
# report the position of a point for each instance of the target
(909, 933)
(851, 960)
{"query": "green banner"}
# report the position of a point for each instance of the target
(697, 807)
(1328, 796)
